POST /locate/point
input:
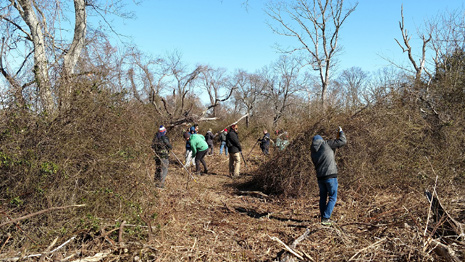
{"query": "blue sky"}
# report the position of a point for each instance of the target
(223, 33)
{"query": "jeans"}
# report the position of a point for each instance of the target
(328, 187)
(223, 145)
(162, 170)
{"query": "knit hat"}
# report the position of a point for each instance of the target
(317, 137)
(192, 129)
(225, 130)
(162, 128)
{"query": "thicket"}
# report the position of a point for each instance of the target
(96, 154)
(93, 154)
(396, 143)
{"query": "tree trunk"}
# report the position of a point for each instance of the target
(71, 57)
(40, 59)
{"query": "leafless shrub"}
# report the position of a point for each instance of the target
(389, 146)
(95, 154)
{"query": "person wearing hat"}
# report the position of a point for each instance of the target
(223, 142)
(322, 153)
(199, 149)
(161, 146)
(209, 136)
(235, 149)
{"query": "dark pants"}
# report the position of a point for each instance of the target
(265, 148)
(162, 170)
(199, 159)
(210, 148)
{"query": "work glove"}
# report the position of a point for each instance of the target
(340, 129)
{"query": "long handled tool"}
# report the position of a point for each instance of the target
(158, 157)
(245, 163)
(252, 148)
(190, 174)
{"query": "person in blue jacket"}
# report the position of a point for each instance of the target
(265, 142)
(323, 157)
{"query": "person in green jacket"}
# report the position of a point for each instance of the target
(199, 149)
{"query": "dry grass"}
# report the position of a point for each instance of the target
(100, 157)
(211, 220)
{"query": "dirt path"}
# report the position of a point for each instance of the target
(212, 220)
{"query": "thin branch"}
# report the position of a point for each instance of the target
(368, 247)
(294, 252)
(38, 213)
(28, 36)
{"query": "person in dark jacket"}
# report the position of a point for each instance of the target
(209, 136)
(265, 142)
(161, 146)
(223, 142)
(235, 149)
(323, 157)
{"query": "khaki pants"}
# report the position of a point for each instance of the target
(234, 164)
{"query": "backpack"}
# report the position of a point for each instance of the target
(159, 146)
(222, 137)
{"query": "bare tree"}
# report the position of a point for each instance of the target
(406, 48)
(146, 76)
(214, 82)
(33, 31)
(441, 40)
(17, 87)
(169, 85)
(315, 25)
(182, 81)
(249, 90)
(283, 84)
(37, 27)
(352, 81)
(448, 37)
(382, 83)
